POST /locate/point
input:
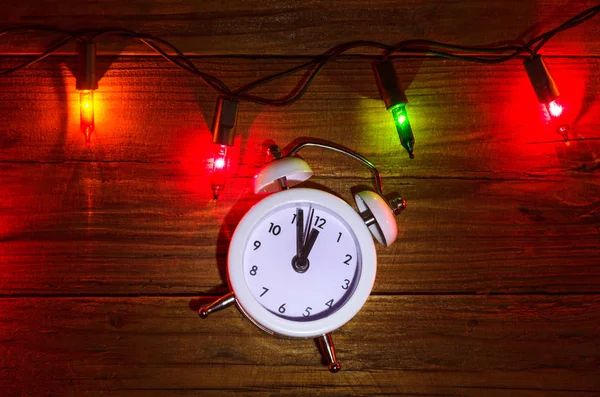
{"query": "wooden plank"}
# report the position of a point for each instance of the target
(399, 345)
(292, 27)
(469, 120)
(131, 228)
(105, 249)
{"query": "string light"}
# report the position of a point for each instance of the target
(86, 83)
(386, 76)
(547, 92)
(219, 170)
(395, 101)
(223, 135)
(86, 113)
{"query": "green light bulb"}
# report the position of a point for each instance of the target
(407, 139)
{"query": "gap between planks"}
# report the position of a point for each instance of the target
(209, 296)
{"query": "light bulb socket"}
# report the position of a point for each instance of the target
(224, 121)
(541, 80)
(388, 84)
(86, 66)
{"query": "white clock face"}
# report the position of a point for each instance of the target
(302, 271)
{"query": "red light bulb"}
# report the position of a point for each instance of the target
(555, 111)
(546, 91)
(219, 171)
(86, 113)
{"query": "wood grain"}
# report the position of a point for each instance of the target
(469, 120)
(108, 250)
(496, 203)
(127, 228)
(296, 27)
(429, 345)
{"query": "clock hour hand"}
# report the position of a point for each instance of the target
(300, 262)
(299, 231)
(310, 242)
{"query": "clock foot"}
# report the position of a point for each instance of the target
(325, 343)
(222, 303)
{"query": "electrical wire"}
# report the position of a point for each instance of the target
(426, 47)
(569, 24)
(208, 79)
(188, 65)
(321, 61)
(418, 46)
(313, 67)
(38, 58)
(43, 55)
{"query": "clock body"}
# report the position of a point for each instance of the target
(284, 300)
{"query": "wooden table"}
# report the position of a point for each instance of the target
(107, 251)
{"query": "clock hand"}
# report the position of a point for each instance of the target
(311, 212)
(300, 262)
(299, 231)
(310, 242)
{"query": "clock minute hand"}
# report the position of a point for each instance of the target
(299, 231)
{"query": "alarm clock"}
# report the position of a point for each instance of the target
(302, 261)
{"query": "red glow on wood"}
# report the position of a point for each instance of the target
(573, 92)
